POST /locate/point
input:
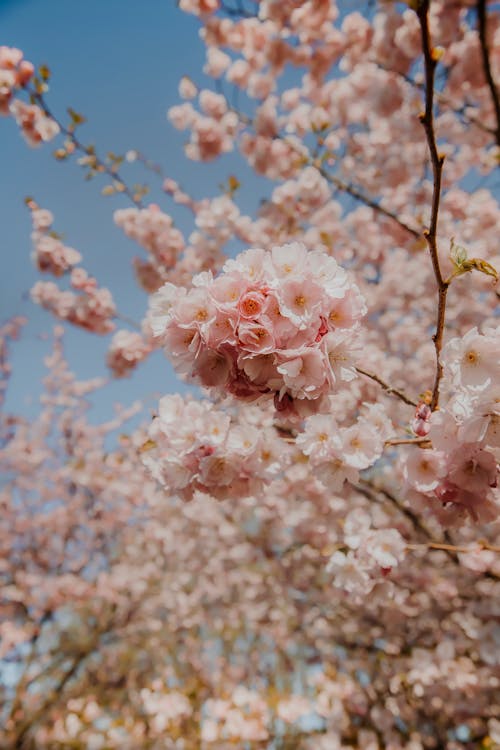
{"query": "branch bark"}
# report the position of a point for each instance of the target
(437, 161)
(485, 56)
(387, 388)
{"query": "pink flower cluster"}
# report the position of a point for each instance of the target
(459, 474)
(371, 555)
(92, 309)
(49, 253)
(15, 73)
(212, 131)
(196, 448)
(244, 717)
(338, 453)
(126, 351)
(154, 231)
(276, 324)
(35, 125)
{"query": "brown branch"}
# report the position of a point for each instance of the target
(420, 441)
(344, 187)
(362, 198)
(101, 165)
(27, 725)
(481, 545)
(387, 388)
(437, 160)
(371, 491)
(482, 30)
(443, 100)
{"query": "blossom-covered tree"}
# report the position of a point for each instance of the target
(304, 554)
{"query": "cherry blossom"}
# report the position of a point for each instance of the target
(305, 554)
(223, 330)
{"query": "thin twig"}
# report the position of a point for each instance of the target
(370, 490)
(478, 547)
(387, 388)
(129, 321)
(437, 160)
(309, 160)
(103, 168)
(444, 100)
(362, 198)
(481, 23)
(423, 442)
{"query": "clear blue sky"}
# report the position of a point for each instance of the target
(118, 62)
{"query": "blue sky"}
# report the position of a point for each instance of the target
(118, 62)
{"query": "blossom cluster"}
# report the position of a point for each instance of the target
(459, 474)
(245, 717)
(35, 125)
(85, 305)
(93, 308)
(153, 230)
(339, 453)
(126, 351)
(164, 708)
(50, 254)
(212, 132)
(371, 553)
(15, 73)
(276, 324)
(193, 448)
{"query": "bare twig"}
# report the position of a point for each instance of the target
(362, 198)
(478, 546)
(367, 488)
(443, 100)
(422, 442)
(309, 160)
(437, 160)
(373, 492)
(101, 165)
(387, 388)
(482, 30)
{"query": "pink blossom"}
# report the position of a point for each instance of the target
(35, 125)
(474, 361)
(424, 468)
(261, 307)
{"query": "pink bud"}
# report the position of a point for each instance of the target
(420, 427)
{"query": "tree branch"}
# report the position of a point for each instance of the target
(437, 160)
(388, 388)
(100, 165)
(362, 198)
(482, 30)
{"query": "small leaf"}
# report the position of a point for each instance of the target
(44, 72)
(477, 264)
(233, 183)
(437, 53)
(147, 446)
(76, 117)
(458, 254)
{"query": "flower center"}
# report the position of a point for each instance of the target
(250, 306)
